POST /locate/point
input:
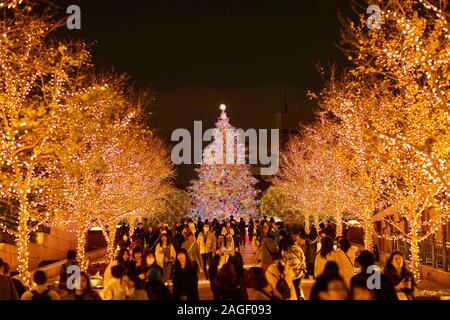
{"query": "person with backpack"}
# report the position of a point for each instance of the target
(41, 290)
(268, 250)
(280, 276)
(150, 238)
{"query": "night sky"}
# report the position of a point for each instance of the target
(196, 54)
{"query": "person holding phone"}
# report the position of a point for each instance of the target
(400, 276)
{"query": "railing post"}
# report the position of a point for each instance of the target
(444, 248)
(433, 252)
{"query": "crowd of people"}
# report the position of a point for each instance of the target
(163, 263)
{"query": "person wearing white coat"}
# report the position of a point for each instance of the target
(325, 254)
(346, 260)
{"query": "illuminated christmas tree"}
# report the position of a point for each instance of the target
(225, 186)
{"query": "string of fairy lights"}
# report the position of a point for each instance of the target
(392, 130)
(224, 187)
(389, 148)
(72, 151)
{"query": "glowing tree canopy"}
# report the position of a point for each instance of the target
(113, 167)
(35, 79)
(225, 186)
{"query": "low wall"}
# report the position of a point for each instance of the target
(52, 270)
(53, 246)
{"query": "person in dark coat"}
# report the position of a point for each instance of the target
(251, 226)
(7, 288)
(242, 232)
(184, 278)
(20, 288)
(71, 261)
(311, 250)
(139, 233)
(156, 290)
(400, 277)
(151, 237)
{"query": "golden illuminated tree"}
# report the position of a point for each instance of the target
(317, 179)
(174, 206)
(35, 74)
(114, 168)
(140, 169)
(352, 103)
(406, 62)
(278, 202)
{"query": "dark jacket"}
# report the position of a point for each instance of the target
(395, 279)
(7, 289)
(150, 240)
(386, 290)
(156, 290)
(20, 288)
(63, 271)
(185, 283)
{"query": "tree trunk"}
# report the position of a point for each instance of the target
(415, 258)
(316, 220)
(338, 218)
(110, 237)
(306, 223)
(444, 248)
(130, 221)
(368, 236)
(81, 248)
(22, 246)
